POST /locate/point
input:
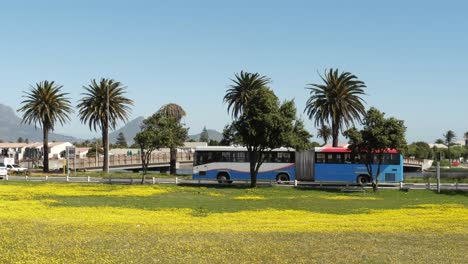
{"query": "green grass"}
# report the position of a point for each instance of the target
(57, 228)
(112, 174)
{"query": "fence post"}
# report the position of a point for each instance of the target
(176, 180)
(401, 185)
(26, 177)
(295, 183)
(6, 177)
(154, 180)
(46, 177)
(89, 178)
(67, 178)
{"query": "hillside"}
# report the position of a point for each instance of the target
(11, 128)
(212, 135)
(129, 130)
(133, 127)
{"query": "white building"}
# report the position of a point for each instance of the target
(23, 151)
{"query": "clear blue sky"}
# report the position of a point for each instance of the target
(413, 55)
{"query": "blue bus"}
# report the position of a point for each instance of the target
(227, 164)
(340, 165)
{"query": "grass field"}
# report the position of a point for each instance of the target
(89, 223)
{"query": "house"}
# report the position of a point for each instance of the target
(82, 152)
(35, 150)
(12, 150)
(437, 145)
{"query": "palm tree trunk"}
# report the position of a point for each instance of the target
(45, 141)
(105, 138)
(173, 161)
(335, 133)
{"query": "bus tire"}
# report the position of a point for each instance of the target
(362, 179)
(223, 177)
(282, 177)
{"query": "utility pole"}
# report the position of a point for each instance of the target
(438, 171)
(107, 133)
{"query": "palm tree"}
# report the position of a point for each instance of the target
(46, 105)
(324, 132)
(240, 91)
(337, 102)
(175, 111)
(449, 137)
(172, 110)
(93, 108)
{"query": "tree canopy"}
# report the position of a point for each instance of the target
(204, 137)
(45, 105)
(375, 138)
(244, 84)
(266, 124)
(336, 102)
(97, 98)
(121, 141)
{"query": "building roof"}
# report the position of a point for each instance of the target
(195, 144)
(13, 145)
(437, 145)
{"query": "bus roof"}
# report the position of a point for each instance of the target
(234, 148)
(346, 150)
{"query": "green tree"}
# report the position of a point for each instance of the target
(20, 140)
(229, 136)
(337, 102)
(449, 137)
(204, 137)
(174, 133)
(265, 125)
(213, 142)
(377, 136)
(244, 84)
(45, 105)
(172, 110)
(94, 104)
(324, 132)
(419, 150)
(121, 141)
(149, 139)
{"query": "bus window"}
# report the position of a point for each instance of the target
(392, 159)
(239, 156)
(347, 158)
(320, 158)
(225, 156)
(285, 157)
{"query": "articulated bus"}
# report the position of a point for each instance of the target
(227, 164)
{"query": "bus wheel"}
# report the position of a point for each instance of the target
(362, 179)
(223, 178)
(282, 177)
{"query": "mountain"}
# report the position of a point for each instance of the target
(129, 130)
(133, 127)
(11, 128)
(212, 134)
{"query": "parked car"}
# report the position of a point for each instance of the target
(3, 170)
(15, 168)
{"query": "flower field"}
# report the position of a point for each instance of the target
(81, 223)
